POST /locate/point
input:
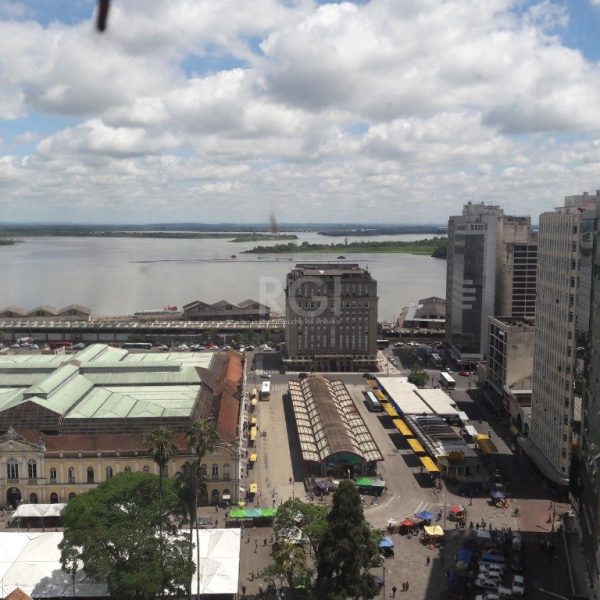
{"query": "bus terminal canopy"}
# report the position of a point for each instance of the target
(429, 464)
(402, 427)
(330, 428)
(416, 446)
(485, 444)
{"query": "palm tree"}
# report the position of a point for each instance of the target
(189, 480)
(162, 450)
(201, 438)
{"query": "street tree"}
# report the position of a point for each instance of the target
(346, 550)
(417, 377)
(189, 482)
(162, 449)
(114, 533)
(201, 438)
(310, 518)
(289, 566)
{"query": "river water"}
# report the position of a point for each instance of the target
(116, 276)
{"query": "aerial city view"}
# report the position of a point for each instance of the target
(300, 299)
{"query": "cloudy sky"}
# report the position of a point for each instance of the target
(393, 111)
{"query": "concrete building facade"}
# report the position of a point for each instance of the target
(585, 471)
(331, 318)
(485, 247)
(562, 323)
(70, 422)
(509, 367)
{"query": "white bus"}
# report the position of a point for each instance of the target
(372, 402)
(265, 390)
(447, 381)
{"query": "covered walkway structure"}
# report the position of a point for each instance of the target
(333, 437)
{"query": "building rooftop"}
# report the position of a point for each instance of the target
(328, 422)
(107, 383)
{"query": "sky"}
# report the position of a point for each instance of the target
(380, 111)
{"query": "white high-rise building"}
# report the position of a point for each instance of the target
(562, 321)
(490, 271)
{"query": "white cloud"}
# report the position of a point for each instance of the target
(340, 111)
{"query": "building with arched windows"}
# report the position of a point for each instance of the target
(68, 423)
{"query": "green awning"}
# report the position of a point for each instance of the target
(364, 482)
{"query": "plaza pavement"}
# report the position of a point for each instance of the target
(405, 495)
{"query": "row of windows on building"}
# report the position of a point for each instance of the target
(12, 471)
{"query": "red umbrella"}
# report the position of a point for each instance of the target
(457, 509)
(408, 523)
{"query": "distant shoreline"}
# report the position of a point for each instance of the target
(435, 247)
(177, 235)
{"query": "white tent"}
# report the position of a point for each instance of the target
(219, 561)
(31, 561)
(38, 510)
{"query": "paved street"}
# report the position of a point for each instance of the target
(408, 490)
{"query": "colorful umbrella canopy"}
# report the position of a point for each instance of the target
(425, 515)
(408, 523)
(457, 508)
(386, 542)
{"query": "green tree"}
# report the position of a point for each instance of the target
(162, 450)
(114, 531)
(310, 518)
(346, 550)
(418, 377)
(289, 566)
(189, 480)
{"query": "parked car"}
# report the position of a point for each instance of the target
(464, 373)
(487, 596)
(491, 568)
(486, 583)
(518, 585)
(250, 348)
(79, 346)
(493, 575)
(265, 376)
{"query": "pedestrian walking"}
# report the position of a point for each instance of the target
(394, 589)
(255, 546)
(428, 561)
(243, 591)
(407, 586)
(404, 586)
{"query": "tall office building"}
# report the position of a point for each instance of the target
(562, 322)
(490, 271)
(585, 472)
(331, 318)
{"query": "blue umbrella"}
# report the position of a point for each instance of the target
(497, 495)
(386, 542)
(425, 515)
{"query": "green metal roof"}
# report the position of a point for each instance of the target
(55, 380)
(135, 402)
(104, 382)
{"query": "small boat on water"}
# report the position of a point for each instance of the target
(233, 256)
(341, 257)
